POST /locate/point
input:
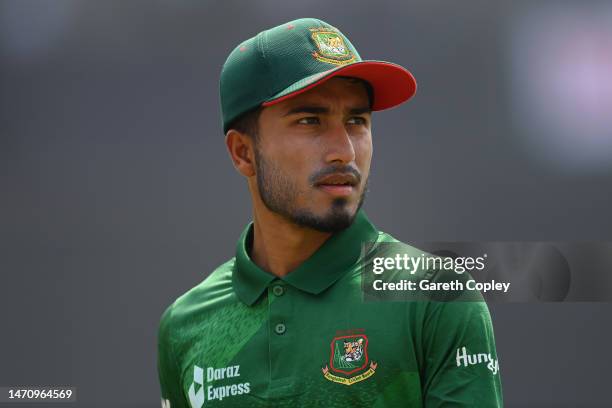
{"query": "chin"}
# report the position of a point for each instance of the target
(337, 218)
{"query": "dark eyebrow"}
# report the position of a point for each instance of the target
(360, 111)
(306, 109)
(321, 109)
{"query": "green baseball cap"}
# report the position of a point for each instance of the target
(291, 58)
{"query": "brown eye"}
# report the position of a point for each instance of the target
(357, 120)
(310, 120)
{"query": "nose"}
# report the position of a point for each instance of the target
(339, 144)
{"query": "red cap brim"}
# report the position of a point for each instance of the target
(392, 83)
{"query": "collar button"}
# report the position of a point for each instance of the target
(278, 290)
(280, 329)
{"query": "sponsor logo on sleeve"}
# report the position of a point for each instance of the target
(464, 359)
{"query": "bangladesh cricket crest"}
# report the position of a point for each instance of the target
(349, 362)
(331, 47)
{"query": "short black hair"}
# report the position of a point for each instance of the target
(367, 86)
(248, 122)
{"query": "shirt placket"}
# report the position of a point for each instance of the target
(281, 335)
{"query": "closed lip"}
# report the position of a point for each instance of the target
(338, 179)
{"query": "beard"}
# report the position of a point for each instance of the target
(279, 194)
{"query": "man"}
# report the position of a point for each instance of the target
(284, 323)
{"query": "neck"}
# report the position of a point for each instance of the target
(280, 246)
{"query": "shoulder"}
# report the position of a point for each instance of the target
(214, 290)
(387, 244)
(413, 273)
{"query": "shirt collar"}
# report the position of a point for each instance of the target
(317, 273)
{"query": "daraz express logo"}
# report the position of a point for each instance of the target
(211, 392)
(196, 399)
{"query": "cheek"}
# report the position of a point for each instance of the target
(363, 152)
(292, 163)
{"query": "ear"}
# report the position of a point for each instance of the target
(242, 152)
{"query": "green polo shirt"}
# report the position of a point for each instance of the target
(246, 338)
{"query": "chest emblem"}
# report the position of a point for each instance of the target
(349, 362)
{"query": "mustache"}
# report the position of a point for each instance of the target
(326, 171)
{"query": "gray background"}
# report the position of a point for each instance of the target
(116, 194)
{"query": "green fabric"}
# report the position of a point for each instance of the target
(316, 274)
(275, 62)
(408, 354)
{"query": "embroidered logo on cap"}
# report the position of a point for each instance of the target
(331, 47)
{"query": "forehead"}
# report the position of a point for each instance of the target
(351, 92)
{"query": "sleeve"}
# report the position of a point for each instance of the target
(461, 368)
(167, 366)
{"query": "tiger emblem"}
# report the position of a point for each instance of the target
(353, 350)
(334, 45)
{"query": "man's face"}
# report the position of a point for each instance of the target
(313, 155)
